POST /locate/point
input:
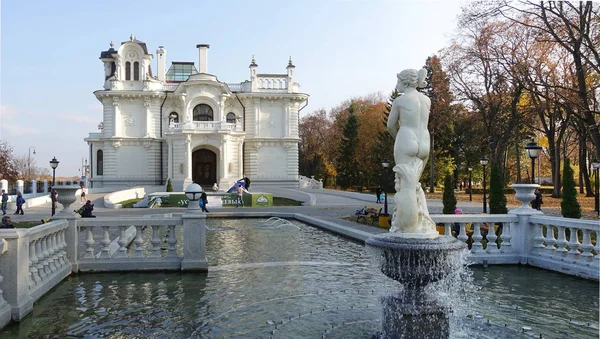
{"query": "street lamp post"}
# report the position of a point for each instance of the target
(54, 165)
(386, 164)
(484, 161)
(596, 167)
(29, 162)
(533, 150)
(470, 180)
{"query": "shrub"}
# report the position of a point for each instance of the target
(449, 199)
(569, 207)
(169, 186)
(497, 197)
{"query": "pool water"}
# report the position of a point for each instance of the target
(295, 281)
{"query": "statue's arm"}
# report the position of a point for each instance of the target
(392, 123)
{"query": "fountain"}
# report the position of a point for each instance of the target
(413, 253)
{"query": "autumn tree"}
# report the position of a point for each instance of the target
(8, 168)
(347, 164)
(314, 154)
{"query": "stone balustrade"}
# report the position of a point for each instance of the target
(274, 82)
(154, 246)
(209, 126)
(565, 245)
(5, 310)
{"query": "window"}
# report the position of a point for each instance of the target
(113, 68)
(128, 70)
(173, 118)
(203, 112)
(136, 71)
(231, 118)
(99, 162)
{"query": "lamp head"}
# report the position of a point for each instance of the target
(193, 192)
(533, 149)
(54, 163)
(596, 164)
(385, 163)
(483, 160)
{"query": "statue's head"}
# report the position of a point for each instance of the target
(411, 78)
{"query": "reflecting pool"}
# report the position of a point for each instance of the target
(295, 281)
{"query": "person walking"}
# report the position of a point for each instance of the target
(54, 199)
(378, 192)
(240, 194)
(537, 202)
(83, 193)
(20, 202)
(4, 202)
(203, 201)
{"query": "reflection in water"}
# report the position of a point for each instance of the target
(294, 283)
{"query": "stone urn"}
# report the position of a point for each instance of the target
(525, 193)
(66, 197)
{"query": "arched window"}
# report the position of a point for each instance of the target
(203, 112)
(128, 70)
(136, 71)
(231, 118)
(173, 118)
(99, 162)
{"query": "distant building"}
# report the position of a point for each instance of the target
(186, 125)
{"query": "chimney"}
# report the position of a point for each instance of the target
(161, 60)
(203, 57)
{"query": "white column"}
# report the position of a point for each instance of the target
(286, 124)
(46, 184)
(170, 158)
(117, 118)
(224, 158)
(194, 242)
(188, 157)
(4, 185)
(34, 186)
(240, 159)
(149, 130)
(20, 186)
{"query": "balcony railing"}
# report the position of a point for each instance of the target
(207, 126)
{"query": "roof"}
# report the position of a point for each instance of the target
(141, 43)
(107, 54)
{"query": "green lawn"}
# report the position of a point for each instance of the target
(27, 224)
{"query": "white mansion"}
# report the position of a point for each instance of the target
(186, 125)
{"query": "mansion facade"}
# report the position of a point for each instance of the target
(185, 125)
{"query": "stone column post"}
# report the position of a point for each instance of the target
(46, 185)
(34, 186)
(15, 271)
(20, 186)
(4, 185)
(66, 197)
(522, 234)
(194, 239)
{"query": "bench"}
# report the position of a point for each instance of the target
(368, 214)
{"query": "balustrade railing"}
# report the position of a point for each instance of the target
(566, 245)
(5, 310)
(107, 245)
(489, 236)
(47, 256)
(211, 126)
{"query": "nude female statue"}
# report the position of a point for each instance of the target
(407, 124)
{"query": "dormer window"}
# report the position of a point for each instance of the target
(136, 71)
(203, 112)
(173, 118)
(128, 70)
(231, 118)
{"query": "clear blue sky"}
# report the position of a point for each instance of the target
(341, 49)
